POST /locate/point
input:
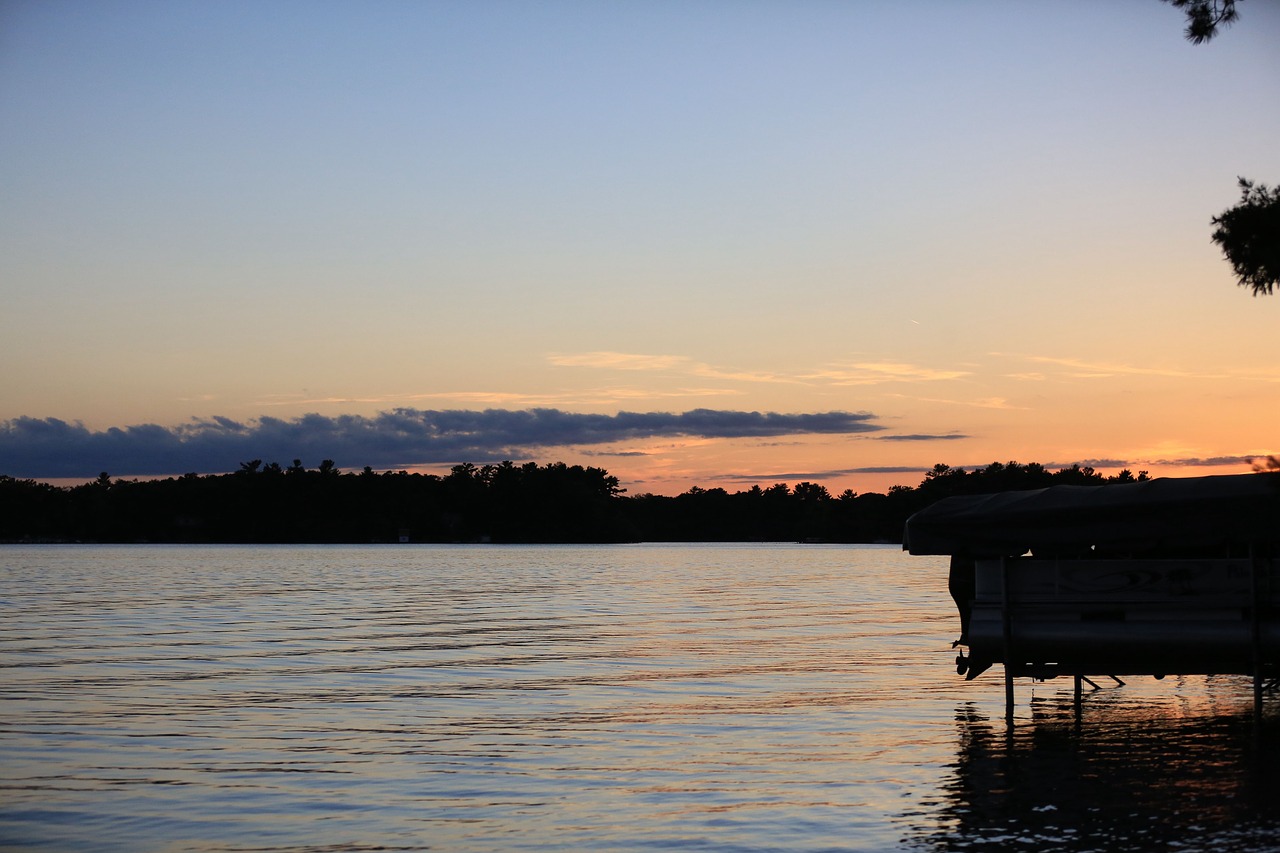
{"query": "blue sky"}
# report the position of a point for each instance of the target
(982, 227)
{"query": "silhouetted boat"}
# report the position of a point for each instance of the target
(1166, 576)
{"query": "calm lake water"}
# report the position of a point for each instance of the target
(649, 697)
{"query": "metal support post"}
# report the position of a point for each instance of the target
(1006, 617)
(1255, 628)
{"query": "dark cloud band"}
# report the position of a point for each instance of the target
(50, 448)
(800, 476)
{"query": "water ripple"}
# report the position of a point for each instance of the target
(545, 698)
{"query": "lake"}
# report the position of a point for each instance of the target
(638, 697)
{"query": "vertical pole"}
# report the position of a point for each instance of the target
(1006, 618)
(1255, 583)
(1078, 699)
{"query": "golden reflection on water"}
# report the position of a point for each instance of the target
(1181, 764)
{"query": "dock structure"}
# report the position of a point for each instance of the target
(1158, 577)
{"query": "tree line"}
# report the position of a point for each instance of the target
(503, 503)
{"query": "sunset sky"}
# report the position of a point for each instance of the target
(694, 243)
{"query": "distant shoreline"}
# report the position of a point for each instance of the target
(491, 504)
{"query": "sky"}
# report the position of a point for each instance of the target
(696, 243)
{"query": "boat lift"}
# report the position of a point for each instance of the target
(1157, 577)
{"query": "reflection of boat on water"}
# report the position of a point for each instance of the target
(1160, 577)
(1154, 776)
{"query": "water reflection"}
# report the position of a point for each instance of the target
(1193, 770)
(727, 698)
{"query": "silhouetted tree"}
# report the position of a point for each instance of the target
(1249, 234)
(498, 503)
(1205, 16)
(33, 511)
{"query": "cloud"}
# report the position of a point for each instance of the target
(801, 476)
(620, 361)
(921, 437)
(876, 373)
(1089, 463)
(838, 375)
(1207, 462)
(1180, 462)
(52, 448)
(981, 403)
(1077, 368)
(1081, 369)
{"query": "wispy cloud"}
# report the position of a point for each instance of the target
(403, 437)
(1082, 369)
(844, 374)
(1087, 463)
(879, 372)
(670, 364)
(978, 403)
(621, 361)
(1079, 368)
(818, 475)
(1206, 461)
(1234, 460)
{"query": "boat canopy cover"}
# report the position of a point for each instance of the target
(1166, 513)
